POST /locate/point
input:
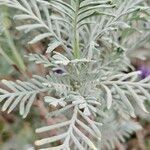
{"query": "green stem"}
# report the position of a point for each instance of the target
(6, 56)
(17, 58)
(76, 34)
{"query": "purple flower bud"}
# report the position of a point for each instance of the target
(145, 71)
(58, 71)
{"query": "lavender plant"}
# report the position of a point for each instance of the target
(87, 82)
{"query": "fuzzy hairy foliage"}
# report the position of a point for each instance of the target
(87, 83)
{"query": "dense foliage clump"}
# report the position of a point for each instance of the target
(89, 84)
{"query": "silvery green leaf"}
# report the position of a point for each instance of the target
(22, 16)
(111, 41)
(29, 27)
(26, 4)
(91, 3)
(108, 96)
(85, 139)
(51, 139)
(36, 8)
(145, 92)
(77, 143)
(43, 2)
(121, 25)
(71, 135)
(39, 59)
(139, 101)
(48, 128)
(133, 75)
(60, 59)
(22, 93)
(40, 37)
(52, 46)
(54, 101)
(125, 100)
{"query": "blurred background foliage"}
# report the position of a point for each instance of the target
(16, 134)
